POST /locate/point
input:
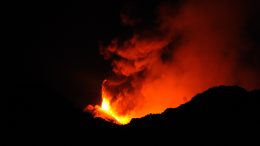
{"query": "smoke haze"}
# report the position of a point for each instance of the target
(188, 49)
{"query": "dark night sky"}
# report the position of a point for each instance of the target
(57, 46)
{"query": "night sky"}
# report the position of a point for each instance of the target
(56, 52)
(59, 46)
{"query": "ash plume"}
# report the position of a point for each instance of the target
(191, 46)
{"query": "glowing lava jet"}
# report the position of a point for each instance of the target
(107, 111)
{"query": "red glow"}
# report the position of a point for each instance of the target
(209, 54)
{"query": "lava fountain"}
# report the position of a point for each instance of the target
(107, 111)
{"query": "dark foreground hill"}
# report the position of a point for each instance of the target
(218, 114)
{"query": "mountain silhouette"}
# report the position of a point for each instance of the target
(216, 114)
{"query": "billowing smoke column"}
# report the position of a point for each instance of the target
(193, 47)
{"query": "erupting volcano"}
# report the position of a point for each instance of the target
(136, 71)
(188, 49)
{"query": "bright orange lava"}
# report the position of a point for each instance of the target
(107, 109)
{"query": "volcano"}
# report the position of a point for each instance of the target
(230, 111)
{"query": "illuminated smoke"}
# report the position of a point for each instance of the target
(193, 47)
